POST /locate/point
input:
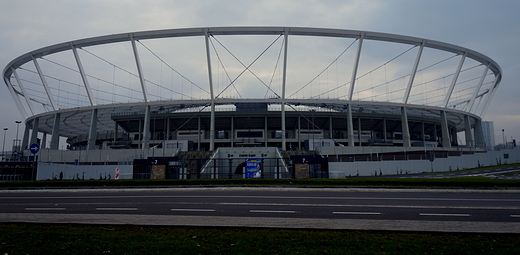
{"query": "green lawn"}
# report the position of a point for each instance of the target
(121, 239)
(460, 182)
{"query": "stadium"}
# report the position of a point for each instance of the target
(208, 102)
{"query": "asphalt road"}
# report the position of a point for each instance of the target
(304, 203)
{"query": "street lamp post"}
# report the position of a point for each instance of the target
(504, 138)
(17, 126)
(3, 148)
(17, 142)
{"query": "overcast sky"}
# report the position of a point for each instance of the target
(489, 27)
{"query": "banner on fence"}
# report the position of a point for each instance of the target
(254, 168)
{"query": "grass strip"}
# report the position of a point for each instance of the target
(457, 182)
(16, 238)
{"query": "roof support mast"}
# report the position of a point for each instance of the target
(475, 94)
(83, 75)
(146, 129)
(45, 85)
(491, 94)
(212, 95)
(350, 126)
(355, 68)
(284, 82)
(404, 114)
(454, 81)
(16, 99)
(139, 69)
(412, 75)
(27, 99)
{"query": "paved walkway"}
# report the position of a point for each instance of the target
(261, 222)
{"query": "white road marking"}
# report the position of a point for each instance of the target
(45, 209)
(368, 205)
(346, 198)
(497, 172)
(280, 197)
(446, 214)
(270, 211)
(193, 210)
(358, 213)
(116, 209)
(515, 216)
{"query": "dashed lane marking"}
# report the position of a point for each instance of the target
(193, 210)
(446, 214)
(270, 211)
(358, 213)
(45, 209)
(116, 209)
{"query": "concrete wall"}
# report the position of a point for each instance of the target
(336, 169)
(87, 172)
(370, 168)
(82, 156)
(346, 150)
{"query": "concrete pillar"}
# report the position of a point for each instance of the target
(453, 135)
(479, 135)
(25, 140)
(198, 135)
(140, 134)
(298, 133)
(423, 137)
(92, 134)
(384, 129)
(116, 132)
(359, 131)
(435, 136)
(55, 139)
(232, 135)
(167, 133)
(331, 135)
(265, 131)
(146, 131)
(34, 134)
(446, 142)
(44, 141)
(350, 126)
(467, 130)
(405, 128)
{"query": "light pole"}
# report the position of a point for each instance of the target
(3, 148)
(503, 138)
(17, 143)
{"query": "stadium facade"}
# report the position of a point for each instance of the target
(122, 97)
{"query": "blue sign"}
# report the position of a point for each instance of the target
(253, 168)
(34, 148)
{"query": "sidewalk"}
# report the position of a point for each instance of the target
(294, 223)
